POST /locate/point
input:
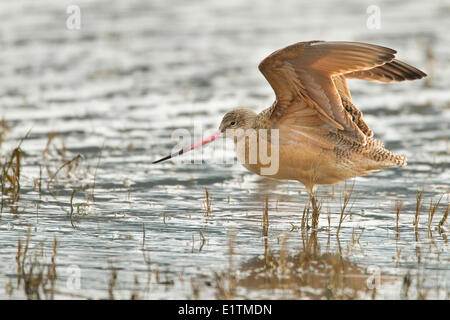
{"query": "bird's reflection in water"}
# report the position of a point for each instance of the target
(303, 273)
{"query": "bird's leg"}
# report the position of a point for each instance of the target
(312, 244)
(315, 213)
(316, 209)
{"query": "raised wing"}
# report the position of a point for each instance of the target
(392, 71)
(312, 72)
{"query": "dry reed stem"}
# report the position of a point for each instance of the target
(418, 209)
(265, 218)
(71, 207)
(203, 240)
(432, 211)
(112, 283)
(444, 218)
(65, 164)
(207, 203)
(398, 209)
(344, 211)
(36, 276)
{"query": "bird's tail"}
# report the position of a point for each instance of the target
(385, 157)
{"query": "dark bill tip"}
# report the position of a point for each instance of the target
(162, 159)
(168, 157)
(209, 139)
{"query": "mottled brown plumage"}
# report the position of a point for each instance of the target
(323, 138)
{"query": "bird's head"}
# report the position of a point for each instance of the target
(240, 118)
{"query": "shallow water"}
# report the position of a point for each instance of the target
(115, 91)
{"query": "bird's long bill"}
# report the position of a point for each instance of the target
(207, 140)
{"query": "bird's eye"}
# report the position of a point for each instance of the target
(232, 123)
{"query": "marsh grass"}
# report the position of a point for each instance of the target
(135, 293)
(265, 218)
(357, 236)
(10, 177)
(112, 282)
(305, 214)
(52, 154)
(35, 276)
(69, 164)
(419, 197)
(406, 285)
(203, 241)
(431, 212)
(433, 208)
(65, 170)
(444, 218)
(10, 180)
(345, 198)
(207, 203)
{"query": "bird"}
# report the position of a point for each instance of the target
(321, 136)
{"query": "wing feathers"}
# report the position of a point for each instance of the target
(393, 71)
(314, 73)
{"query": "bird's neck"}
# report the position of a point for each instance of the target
(263, 119)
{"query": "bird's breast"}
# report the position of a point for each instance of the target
(307, 164)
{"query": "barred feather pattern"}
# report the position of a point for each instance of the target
(373, 150)
(356, 116)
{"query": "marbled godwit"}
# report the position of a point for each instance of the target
(322, 137)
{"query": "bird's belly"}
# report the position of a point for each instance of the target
(310, 165)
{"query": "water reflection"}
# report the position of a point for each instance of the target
(304, 273)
